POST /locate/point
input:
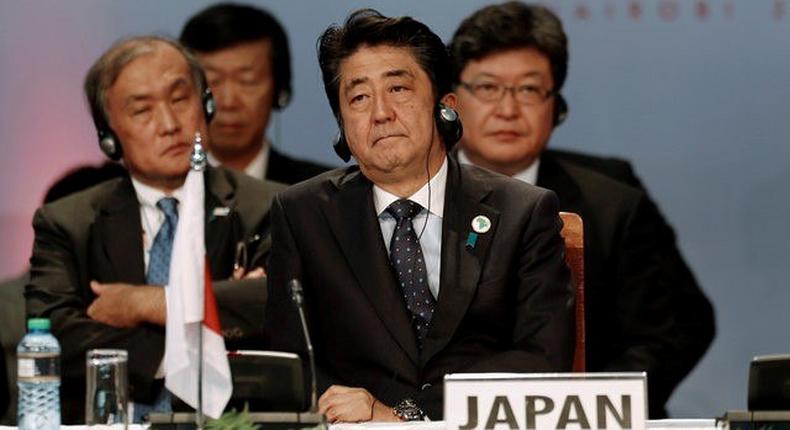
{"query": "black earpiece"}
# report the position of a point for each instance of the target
(340, 146)
(448, 124)
(108, 144)
(209, 105)
(282, 99)
(560, 109)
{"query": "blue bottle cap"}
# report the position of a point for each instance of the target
(38, 324)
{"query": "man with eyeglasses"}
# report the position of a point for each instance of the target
(644, 310)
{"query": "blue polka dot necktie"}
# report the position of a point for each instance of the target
(159, 258)
(409, 264)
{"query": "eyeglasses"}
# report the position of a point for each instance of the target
(490, 92)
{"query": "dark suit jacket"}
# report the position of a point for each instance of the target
(97, 235)
(288, 170)
(4, 394)
(644, 309)
(504, 305)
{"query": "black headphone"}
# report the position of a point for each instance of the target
(560, 109)
(448, 124)
(282, 99)
(109, 143)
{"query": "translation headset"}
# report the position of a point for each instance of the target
(560, 109)
(282, 99)
(448, 124)
(109, 143)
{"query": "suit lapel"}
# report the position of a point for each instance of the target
(553, 176)
(119, 229)
(275, 166)
(461, 265)
(352, 218)
(220, 226)
(120, 232)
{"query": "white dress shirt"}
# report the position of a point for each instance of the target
(427, 224)
(258, 165)
(528, 175)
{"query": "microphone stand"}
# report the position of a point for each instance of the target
(298, 298)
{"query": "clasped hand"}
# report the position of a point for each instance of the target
(353, 405)
(124, 305)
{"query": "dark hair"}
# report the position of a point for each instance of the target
(511, 25)
(227, 24)
(367, 27)
(108, 67)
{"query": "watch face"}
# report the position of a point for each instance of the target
(408, 410)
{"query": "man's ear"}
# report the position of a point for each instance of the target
(450, 100)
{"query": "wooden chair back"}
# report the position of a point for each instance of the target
(573, 234)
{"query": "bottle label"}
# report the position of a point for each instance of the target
(26, 368)
(38, 366)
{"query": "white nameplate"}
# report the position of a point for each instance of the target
(544, 401)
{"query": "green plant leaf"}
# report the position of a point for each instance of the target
(233, 420)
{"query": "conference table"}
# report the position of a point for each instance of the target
(670, 424)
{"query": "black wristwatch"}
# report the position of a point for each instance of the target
(407, 410)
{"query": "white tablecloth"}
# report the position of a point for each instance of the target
(674, 424)
(702, 424)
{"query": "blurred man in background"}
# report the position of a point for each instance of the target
(244, 51)
(5, 392)
(644, 309)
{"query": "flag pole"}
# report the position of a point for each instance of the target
(199, 418)
(198, 162)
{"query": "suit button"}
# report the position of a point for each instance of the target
(426, 386)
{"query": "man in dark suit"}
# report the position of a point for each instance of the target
(245, 52)
(4, 392)
(412, 265)
(644, 309)
(95, 255)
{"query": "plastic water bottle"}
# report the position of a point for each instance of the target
(38, 378)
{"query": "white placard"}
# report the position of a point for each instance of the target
(546, 401)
